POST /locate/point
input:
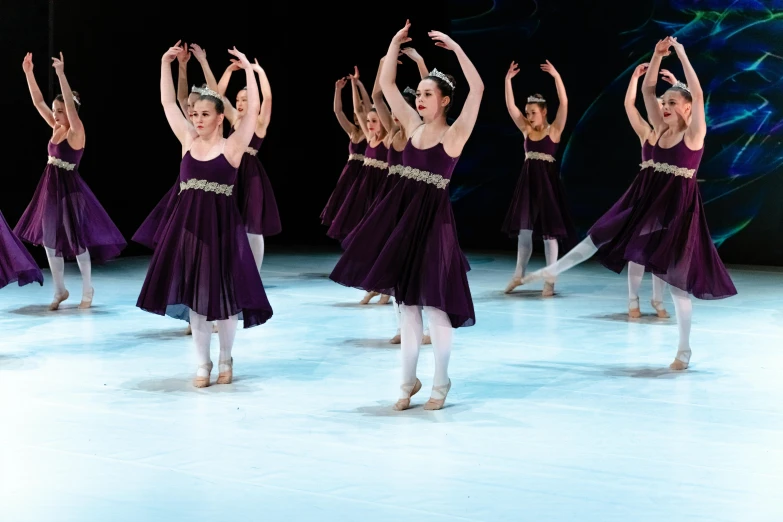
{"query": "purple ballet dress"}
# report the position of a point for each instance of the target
(203, 260)
(394, 160)
(65, 215)
(344, 182)
(407, 246)
(539, 202)
(151, 229)
(363, 192)
(16, 263)
(660, 223)
(255, 196)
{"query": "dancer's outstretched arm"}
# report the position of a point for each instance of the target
(649, 84)
(556, 129)
(177, 121)
(517, 116)
(384, 114)
(35, 92)
(460, 131)
(639, 124)
(76, 129)
(408, 116)
(265, 116)
(411, 53)
(182, 79)
(349, 128)
(358, 106)
(697, 129)
(230, 111)
(237, 143)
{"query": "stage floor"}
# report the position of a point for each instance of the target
(562, 409)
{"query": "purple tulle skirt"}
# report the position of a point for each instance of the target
(344, 183)
(65, 215)
(659, 222)
(16, 263)
(150, 230)
(256, 199)
(357, 202)
(203, 263)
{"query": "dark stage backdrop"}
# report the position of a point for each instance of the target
(112, 57)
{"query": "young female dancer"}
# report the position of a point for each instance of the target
(356, 147)
(407, 246)
(64, 215)
(538, 206)
(665, 229)
(16, 263)
(255, 196)
(203, 263)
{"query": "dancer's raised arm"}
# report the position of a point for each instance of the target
(349, 128)
(409, 118)
(182, 79)
(697, 128)
(237, 143)
(177, 121)
(35, 92)
(384, 114)
(358, 107)
(556, 129)
(265, 115)
(76, 129)
(518, 116)
(639, 124)
(650, 82)
(460, 130)
(411, 53)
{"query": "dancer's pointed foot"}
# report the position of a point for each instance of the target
(58, 298)
(87, 299)
(515, 282)
(410, 390)
(549, 289)
(660, 310)
(633, 308)
(226, 369)
(438, 397)
(367, 297)
(202, 375)
(538, 275)
(426, 339)
(384, 299)
(397, 339)
(681, 360)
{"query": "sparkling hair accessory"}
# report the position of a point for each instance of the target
(408, 90)
(682, 86)
(437, 74)
(535, 99)
(76, 101)
(204, 91)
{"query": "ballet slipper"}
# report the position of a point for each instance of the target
(515, 282)
(681, 360)
(58, 298)
(203, 382)
(411, 390)
(397, 339)
(367, 297)
(426, 339)
(436, 404)
(633, 311)
(226, 375)
(660, 310)
(537, 276)
(87, 303)
(384, 299)
(549, 289)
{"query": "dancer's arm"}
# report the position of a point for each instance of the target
(409, 118)
(668, 77)
(237, 143)
(229, 111)
(265, 116)
(411, 53)
(35, 92)
(384, 114)
(358, 107)
(168, 98)
(201, 56)
(519, 118)
(697, 129)
(556, 129)
(649, 84)
(639, 124)
(76, 130)
(182, 79)
(345, 123)
(460, 131)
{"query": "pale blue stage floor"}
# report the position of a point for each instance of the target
(561, 409)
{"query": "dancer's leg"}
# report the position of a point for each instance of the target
(202, 335)
(85, 267)
(442, 335)
(550, 252)
(397, 339)
(635, 275)
(227, 330)
(57, 266)
(657, 297)
(257, 247)
(684, 310)
(524, 251)
(411, 332)
(579, 254)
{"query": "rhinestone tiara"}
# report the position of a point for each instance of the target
(408, 90)
(682, 86)
(535, 99)
(204, 91)
(437, 74)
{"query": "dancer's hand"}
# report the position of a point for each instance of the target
(668, 77)
(549, 68)
(27, 63)
(242, 59)
(355, 75)
(402, 35)
(235, 66)
(411, 53)
(58, 64)
(443, 40)
(339, 84)
(662, 47)
(383, 59)
(678, 47)
(198, 52)
(256, 67)
(171, 55)
(184, 55)
(513, 70)
(641, 70)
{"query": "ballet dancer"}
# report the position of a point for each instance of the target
(203, 263)
(665, 230)
(16, 263)
(408, 246)
(64, 215)
(255, 196)
(538, 206)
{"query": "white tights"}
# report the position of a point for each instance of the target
(399, 320)
(257, 247)
(683, 308)
(57, 266)
(579, 254)
(635, 275)
(411, 327)
(525, 250)
(202, 335)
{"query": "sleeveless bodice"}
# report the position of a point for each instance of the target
(430, 165)
(646, 151)
(677, 161)
(68, 157)
(543, 149)
(255, 143)
(216, 175)
(356, 148)
(394, 157)
(378, 152)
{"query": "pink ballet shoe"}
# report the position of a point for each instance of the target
(537, 276)
(660, 311)
(203, 382)
(426, 339)
(515, 282)
(549, 289)
(87, 301)
(437, 404)
(633, 311)
(384, 299)
(367, 297)
(58, 298)
(397, 339)
(226, 375)
(411, 390)
(681, 360)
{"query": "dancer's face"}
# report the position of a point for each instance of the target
(535, 115)
(676, 109)
(205, 118)
(373, 123)
(58, 111)
(242, 103)
(429, 100)
(192, 99)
